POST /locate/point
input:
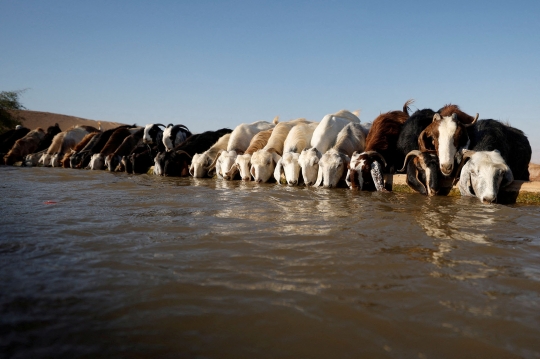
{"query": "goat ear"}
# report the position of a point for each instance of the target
(412, 179)
(278, 170)
(423, 140)
(276, 157)
(377, 176)
(465, 180)
(319, 177)
(437, 117)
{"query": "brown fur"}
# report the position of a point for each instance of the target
(385, 130)
(77, 148)
(259, 141)
(115, 140)
(432, 132)
(24, 146)
(450, 109)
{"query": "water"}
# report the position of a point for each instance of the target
(146, 267)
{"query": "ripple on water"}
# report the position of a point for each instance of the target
(148, 266)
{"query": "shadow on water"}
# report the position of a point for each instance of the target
(146, 266)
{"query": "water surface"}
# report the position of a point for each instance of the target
(111, 265)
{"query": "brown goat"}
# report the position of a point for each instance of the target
(24, 146)
(130, 142)
(450, 109)
(447, 135)
(65, 161)
(380, 151)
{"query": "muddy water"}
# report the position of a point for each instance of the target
(110, 265)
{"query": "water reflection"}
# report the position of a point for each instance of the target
(186, 265)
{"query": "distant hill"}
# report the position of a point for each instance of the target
(35, 119)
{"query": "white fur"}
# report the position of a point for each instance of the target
(486, 172)
(243, 163)
(297, 140)
(308, 160)
(447, 149)
(225, 164)
(170, 142)
(323, 138)
(238, 143)
(97, 162)
(147, 139)
(334, 162)
(264, 161)
(200, 163)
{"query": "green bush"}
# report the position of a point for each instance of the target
(9, 100)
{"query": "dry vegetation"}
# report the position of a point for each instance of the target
(35, 119)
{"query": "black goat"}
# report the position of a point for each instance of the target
(177, 161)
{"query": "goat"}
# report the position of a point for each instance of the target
(424, 175)
(32, 159)
(201, 163)
(97, 161)
(366, 168)
(174, 135)
(243, 162)
(447, 135)
(8, 139)
(499, 154)
(323, 138)
(64, 142)
(49, 135)
(142, 158)
(82, 158)
(24, 146)
(333, 164)
(66, 161)
(411, 129)
(153, 134)
(177, 161)
(112, 160)
(482, 174)
(238, 143)
(297, 140)
(263, 161)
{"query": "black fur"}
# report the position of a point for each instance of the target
(515, 149)
(174, 162)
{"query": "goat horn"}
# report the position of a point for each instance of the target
(376, 154)
(213, 164)
(473, 122)
(160, 124)
(464, 159)
(179, 152)
(412, 153)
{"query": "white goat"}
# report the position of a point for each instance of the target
(484, 174)
(263, 161)
(238, 144)
(243, 162)
(298, 139)
(324, 137)
(333, 164)
(201, 163)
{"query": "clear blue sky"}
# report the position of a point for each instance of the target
(213, 64)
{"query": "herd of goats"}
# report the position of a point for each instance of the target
(436, 150)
